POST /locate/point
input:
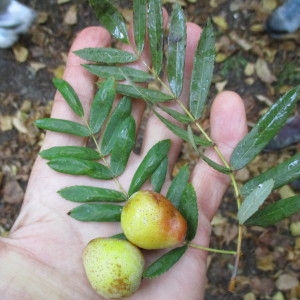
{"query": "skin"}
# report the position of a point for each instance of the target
(42, 253)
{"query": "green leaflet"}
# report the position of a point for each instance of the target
(102, 104)
(106, 55)
(282, 174)
(125, 141)
(202, 71)
(264, 130)
(182, 118)
(83, 193)
(178, 185)
(121, 112)
(150, 95)
(139, 23)
(159, 176)
(111, 19)
(189, 209)
(180, 132)
(63, 126)
(164, 263)
(176, 50)
(119, 73)
(216, 166)
(77, 166)
(155, 32)
(69, 95)
(149, 164)
(210, 162)
(275, 212)
(254, 200)
(191, 138)
(97, 212)
(70, 151)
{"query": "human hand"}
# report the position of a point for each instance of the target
(42, 255)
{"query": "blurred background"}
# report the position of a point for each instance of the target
(249, 61)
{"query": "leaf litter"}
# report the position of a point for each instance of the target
(270, 267)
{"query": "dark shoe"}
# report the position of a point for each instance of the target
(285, 19)
(16, 18)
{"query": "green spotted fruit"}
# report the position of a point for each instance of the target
(113, 267)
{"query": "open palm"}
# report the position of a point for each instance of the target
(42, 255)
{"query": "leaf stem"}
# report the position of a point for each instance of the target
(232, 282)
(118, 184)
(230, 252)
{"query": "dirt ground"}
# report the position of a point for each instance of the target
(249, 62)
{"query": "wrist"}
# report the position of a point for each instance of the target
(23, 277)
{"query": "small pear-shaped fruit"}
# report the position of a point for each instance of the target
(150, 221)
(113, 267)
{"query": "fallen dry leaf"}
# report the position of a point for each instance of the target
(263, 71)
(12, 192)
(6, 123)
(71, 15)
(286, 282)
(220, 21)
(295, 228)
(249, 69)
(262, 285)
(21, 53)
(266, 263)
(63, 1)
(42, 17)
(36, 66)
(269, 5)
(244, 44)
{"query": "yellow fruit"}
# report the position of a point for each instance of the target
(150, 221)
(113, 267)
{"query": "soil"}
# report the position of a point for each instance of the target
(249, 62)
